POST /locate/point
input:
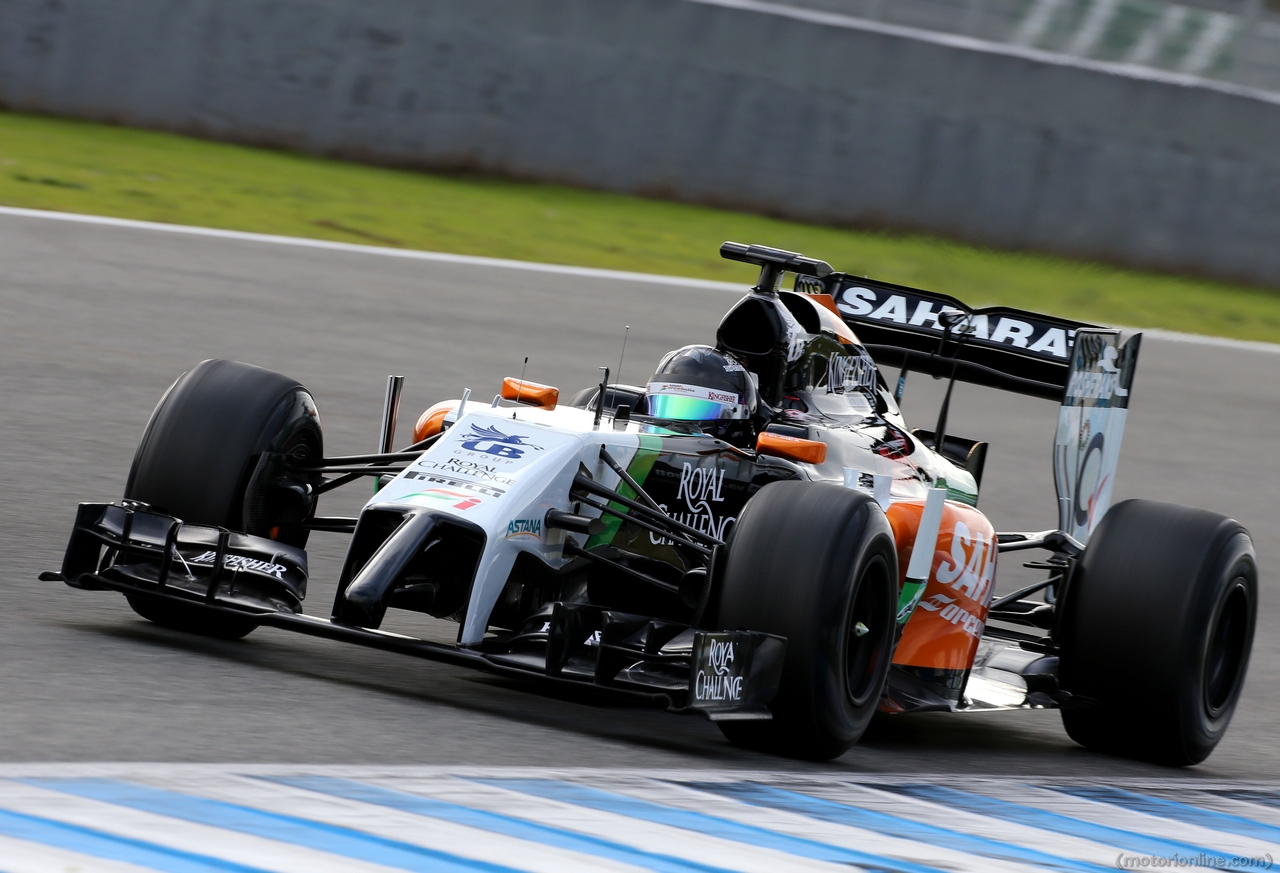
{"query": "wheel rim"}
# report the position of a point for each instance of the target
(1227, 643)
(865, 637)
(262, 494)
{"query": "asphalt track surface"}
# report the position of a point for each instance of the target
(95, 322)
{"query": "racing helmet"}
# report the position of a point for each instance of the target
(701, 384)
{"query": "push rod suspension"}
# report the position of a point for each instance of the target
(584, 483)
(626, 477)
(1022, 592)
(353, 464)
(1053, 540)
(359, 469)
(666, 532)
(573, 548)
(381, 458)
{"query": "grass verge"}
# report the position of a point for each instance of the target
(76, 166)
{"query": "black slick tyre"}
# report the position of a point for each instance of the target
(1155, 631)
(191, 619)
(199, 460)
(815, 563)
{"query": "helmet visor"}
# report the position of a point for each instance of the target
(692, 403)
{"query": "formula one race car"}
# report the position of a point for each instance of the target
(754, 535)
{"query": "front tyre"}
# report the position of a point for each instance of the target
(816, 563)
(191, 619)
(1156, 630)
(212, 454)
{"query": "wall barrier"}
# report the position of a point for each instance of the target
(781, 110)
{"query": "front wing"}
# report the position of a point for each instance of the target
(138, 552)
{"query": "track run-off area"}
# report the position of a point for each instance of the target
(98, 317)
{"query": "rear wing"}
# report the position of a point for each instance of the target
(999, 347)
(1087, 369)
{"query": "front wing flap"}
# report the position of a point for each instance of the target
(160, 554)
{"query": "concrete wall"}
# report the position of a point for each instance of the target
(729, 102)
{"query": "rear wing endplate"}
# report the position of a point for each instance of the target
(1091, 426)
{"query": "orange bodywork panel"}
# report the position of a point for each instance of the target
(431, 422)
(791, 448)
(832, 320)
(944, 630)
(530, 392)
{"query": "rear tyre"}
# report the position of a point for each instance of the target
(1156, 628)
(199, 461)
(815, 563)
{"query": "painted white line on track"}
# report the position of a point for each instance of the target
(380, 251)
(507, 264)
(1199, 340)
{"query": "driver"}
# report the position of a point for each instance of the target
(706, 387)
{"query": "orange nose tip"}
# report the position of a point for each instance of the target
(791, 448)
(530, 392)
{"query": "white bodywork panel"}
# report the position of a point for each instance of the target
(503, 469)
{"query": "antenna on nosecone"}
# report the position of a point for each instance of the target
(520, 387)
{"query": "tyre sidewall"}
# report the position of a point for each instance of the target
(846, 722)
(1136, 626)
(202, 444)
(1233, 565)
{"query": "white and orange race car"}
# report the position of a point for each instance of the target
(754, 535)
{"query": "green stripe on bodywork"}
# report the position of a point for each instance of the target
(907, 600)
(957, 490)
(638, 469)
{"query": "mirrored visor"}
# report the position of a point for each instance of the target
(687, 408)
